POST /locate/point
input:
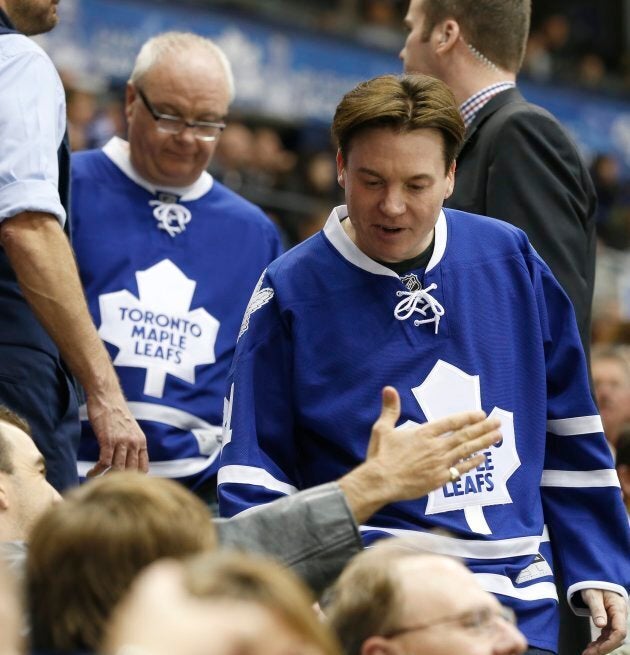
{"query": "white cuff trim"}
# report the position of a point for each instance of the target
(592, 584)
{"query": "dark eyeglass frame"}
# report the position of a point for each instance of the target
(478, 619)
(176, 124)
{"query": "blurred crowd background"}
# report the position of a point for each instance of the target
(280, 155)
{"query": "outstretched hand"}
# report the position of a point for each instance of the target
(408, 463)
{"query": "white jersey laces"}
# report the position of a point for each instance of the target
(419, 301)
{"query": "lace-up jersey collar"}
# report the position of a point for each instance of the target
(347, 248)
(416, 301)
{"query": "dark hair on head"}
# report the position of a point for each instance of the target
(403, 103)
(498, 29)
(6, 449)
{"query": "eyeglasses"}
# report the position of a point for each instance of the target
(479, 621)
(202, 130)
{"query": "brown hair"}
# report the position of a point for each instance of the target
(366, 599)
(235, 576)
(403, 103)
(85, 552)
(498, 29)
(6, 449)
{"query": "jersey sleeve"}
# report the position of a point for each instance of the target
(581, 496)
(258, 457)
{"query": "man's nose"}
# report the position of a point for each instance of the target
(393, 202)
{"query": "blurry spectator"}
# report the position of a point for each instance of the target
(25, 494)
(622, 463)
(381, 26)
(220, 604)
(84, 553)
(613, 202)
(606, 177)
(234, 156)
(537, 63)
(108, 122)
(611, 378)
(272, 162)
(556, 31)
(591, 71)
(410, 602)
(320, 175)
(81, 108)
(10, 615)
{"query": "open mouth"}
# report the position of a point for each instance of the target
(389, 230)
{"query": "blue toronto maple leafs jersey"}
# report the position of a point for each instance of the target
(484, 326)
(167, 274)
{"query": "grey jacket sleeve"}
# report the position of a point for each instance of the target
(313, 532)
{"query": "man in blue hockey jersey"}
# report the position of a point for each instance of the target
(458, 312)
(168, 256)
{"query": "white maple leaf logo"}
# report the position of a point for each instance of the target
(447, 390)
(157, 331)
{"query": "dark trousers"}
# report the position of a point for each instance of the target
(35, 386)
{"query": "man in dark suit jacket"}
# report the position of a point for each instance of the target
(517, 162)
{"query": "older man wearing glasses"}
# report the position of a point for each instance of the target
(417, 604)
(168, 256)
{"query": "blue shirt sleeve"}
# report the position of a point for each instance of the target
(32, 125)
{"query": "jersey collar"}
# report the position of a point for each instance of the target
(117, 150)
(348, 250)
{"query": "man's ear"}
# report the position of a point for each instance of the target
(377, 645)
(448, 34)
(130, 96)
(341, 170)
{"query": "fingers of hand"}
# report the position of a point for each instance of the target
(131, 463)
(469, 464)
(473, 438)
(594, 600)
(143, 460)
(454, 422)
(390, 409)
(120, 457)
